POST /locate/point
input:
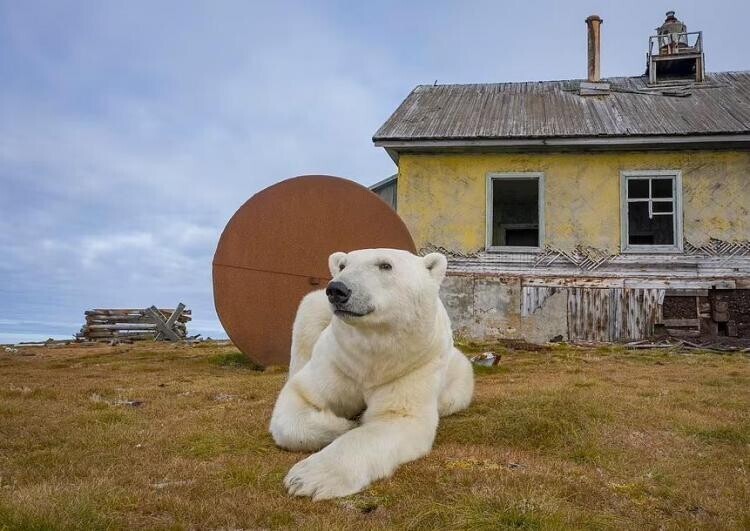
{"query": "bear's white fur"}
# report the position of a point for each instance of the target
(369, 376)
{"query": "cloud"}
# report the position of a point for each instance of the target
(130, 132)
(123, 153)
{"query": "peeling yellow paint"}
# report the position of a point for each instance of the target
(441, 197)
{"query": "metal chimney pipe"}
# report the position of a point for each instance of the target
(594, 23)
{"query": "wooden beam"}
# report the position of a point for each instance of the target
(687, 293)
(571, 282)
(161, 324)
(172, 318)
(683, 332)
(679, 284)
(681, 322)
(122, 326)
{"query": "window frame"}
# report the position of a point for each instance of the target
(493, 176)
(625, 246)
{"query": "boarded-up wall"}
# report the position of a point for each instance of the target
(601, 314)
(624, 314)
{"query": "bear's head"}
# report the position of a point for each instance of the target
(376, 287)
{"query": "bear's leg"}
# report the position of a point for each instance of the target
(398, 426)
(313, 315)
(298, 425)
(458, 385)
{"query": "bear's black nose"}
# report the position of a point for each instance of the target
(338, 293)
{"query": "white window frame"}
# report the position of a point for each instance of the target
(676, 215)
(493, 176)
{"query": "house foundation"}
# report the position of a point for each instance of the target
(487, 300)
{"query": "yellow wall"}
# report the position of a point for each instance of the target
(442, 197)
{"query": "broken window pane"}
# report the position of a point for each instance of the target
(661, 187)
(650, 211)
(515, 212)
(637, 188)
(649, 230)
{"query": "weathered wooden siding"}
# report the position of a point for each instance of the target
(613, 314)
(602, 314)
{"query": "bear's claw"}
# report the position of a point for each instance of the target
(318, 478)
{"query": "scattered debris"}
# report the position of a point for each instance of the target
(166, 484)
(24, 390)
(697, 510)
(486, 359)
(472, 463)
(361, 504)
(99, 399)
(11, 349)
(47, 343)
(117, 341)
(131, 403)
(675, 343)
(224, 397)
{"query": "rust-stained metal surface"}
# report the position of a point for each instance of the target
(546, 109)
(275, 250)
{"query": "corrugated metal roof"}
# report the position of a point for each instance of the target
(549, 109)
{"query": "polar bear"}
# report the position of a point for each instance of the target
(373, 367)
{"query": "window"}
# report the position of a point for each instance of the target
(651, 211)
(515, 216)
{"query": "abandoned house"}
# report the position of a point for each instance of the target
(594, 210)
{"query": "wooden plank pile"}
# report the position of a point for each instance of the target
(136, 324)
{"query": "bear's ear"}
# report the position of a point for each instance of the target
(334, 261)
(436, 264)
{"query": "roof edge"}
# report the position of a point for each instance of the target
(551, 143)
(382, 184)
(610, 79)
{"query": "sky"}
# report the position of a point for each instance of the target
(131, 131)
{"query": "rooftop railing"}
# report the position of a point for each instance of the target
(676, 44)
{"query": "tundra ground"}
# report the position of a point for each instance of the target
(164, 436)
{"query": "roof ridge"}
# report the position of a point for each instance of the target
(605, 80)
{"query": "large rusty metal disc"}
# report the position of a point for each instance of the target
(275, 250)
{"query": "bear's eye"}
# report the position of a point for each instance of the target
(341, 267)
(385, 266)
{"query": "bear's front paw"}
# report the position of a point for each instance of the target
(322, 478)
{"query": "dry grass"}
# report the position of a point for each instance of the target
(175, 437)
